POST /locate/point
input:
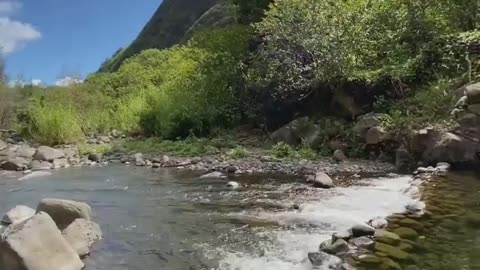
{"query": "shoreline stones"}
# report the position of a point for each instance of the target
(322, 180)
(35, 241)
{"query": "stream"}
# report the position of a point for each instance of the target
(167, 219)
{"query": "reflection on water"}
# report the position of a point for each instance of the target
(170, 220)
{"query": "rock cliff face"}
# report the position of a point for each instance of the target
(170, 24)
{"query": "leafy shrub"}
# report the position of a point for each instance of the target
(283, 150)
(239, 152)
(54, 124)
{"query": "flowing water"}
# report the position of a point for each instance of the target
(171, 220)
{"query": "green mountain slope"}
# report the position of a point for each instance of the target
(170, 24)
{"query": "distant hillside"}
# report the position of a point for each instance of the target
(173, 22)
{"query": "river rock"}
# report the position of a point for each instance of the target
(14, 164)
(378, 223)
(37, 244)
(473, 93)
(64, 212)
(339, 246)
(218, 175)
(462, 102)
(35, 174)
(3, 145)
(406, 233)
(81, 235)
(37, 165)
(416, 207)
(402, 159)
(345, 266)
(389, 264)
(321, 260)
(25, 151)
(369, 259)
(345, 235)
(360, 230)
(374, 135)
(322, 180)
(233, 185)
(18, 214)
(367, 121)
(392, 252)
(60, 163)
(95, 157)
(363, 243)
(474, 109)
(410, 223)
(45, 153)
(339, 155)
(138, 159)
(386, 237)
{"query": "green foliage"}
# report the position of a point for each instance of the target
(428, 106)
(167, 27)
(239, 152)
(283, 150)
(86, 149)
(308, 43)
(251, 10)
(54, 124)
(188, 147)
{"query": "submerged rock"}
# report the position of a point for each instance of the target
(36, 174)
(213, 175)
(14, 164)
(392, 252)
(37, 244)
(386, 237)
(406, 233)
(37, 165)
(81, 235)
(321, 260)
(333, 248)
(18, 214)
(64, 212)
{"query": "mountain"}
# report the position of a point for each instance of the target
(173, 22)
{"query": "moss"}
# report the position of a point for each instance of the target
(392, 252)
(406, 233)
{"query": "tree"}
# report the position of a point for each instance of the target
(251, 10)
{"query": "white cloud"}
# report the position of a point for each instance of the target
(68, 81)
(8, 7)
(15, 34)
(23, 83)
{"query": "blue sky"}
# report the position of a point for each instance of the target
(50, 39)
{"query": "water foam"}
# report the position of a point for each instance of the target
(332, 210)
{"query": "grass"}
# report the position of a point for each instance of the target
(86, 149)
(285, 151)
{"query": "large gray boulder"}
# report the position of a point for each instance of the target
(334, 248)
(473, 93)
(374, 135)
(138, 159)
(18, 214)
(452, 148)
(81, 235)
(322, 180)
(25, 151)
(37, 244)
(14, 164)
(45, 153)
(64, 212)
(367, 121)
(37, 165)
(301, 130)
(360, 230)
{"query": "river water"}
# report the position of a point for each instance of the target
(167, 219)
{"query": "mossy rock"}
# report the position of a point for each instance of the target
(387, 237)
(392, 252)
(381, 254)
(405, 246)
(369, 259)
(410, 223)
(473, 220)
(406, 233)
(389, 264)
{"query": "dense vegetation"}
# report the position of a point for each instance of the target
(280, 60)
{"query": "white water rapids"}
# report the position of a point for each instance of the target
(337, 210)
